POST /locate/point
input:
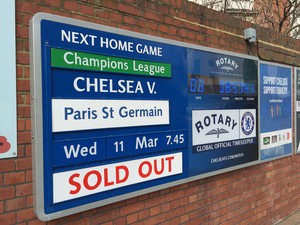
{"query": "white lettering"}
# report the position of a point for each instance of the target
(144, 143)
(71, 151)
(116, 44)
(78, 38)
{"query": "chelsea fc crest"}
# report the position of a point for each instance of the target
(247, 123)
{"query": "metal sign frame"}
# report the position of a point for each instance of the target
(297, 109)
(221, 88)
(49, 206)
(282, 137)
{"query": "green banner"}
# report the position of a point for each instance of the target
(84, 61)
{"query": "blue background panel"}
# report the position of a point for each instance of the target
(275, 111)
(212, 70)
(58, 83)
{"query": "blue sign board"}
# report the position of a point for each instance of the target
(275, 111)
(117, 114)
(297, 110)
(222, 110)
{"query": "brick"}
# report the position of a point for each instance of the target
(175, 204)
(156, 219)
(83, 221)
(131, 218)
(101, 13)
(26, 72)
(184, 219)
(143, 197)
(19, 45)
(115, 17)
(120, 220)
(182, 33)
(131, 201)
(193, 198)
(152, 25)
(184, 201)
(175, 213)
(129, 9)
(28, 150)
(26, 215)
(105, 217)
(26, 19)
(23, 163)
(56, 4)
(191, 35)
(28, 124)
(150, 5)
(8, 218)
(86, 9)
(174, 195)
(22, 32)
(19, 71)
(68, 219)
(143, 214)
(14, 178)
(110, 4)
(132, 208)
(40, 8)
(109, 223)
(23, 85)
(164, 9)
(175, 221)
(29, 201)
(36, 222)
(1, 207)
(26, 46)
(129, 20)
(24, 137)
(165, 207)
(172, 30)
(23, 111)
(23, 189)
(154, 210)
(24, 223)
(23, 58)
(21, 150)
(90, 212)
(24, 7)
(154, 201)
(21, 125)
(153, 16)
(14, 204)
(7, 165)
(163, 28)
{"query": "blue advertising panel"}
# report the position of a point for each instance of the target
(118, 114)
(297, 111)
(222, 111)
(275, 111)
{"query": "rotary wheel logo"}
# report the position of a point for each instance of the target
(247, 123)
(4, 145)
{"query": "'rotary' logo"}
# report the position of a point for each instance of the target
(217, 132)
(247, 123)
(227, 64)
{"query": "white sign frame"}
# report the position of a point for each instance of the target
(8, 114)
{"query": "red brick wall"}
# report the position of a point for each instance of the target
(261, 194)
